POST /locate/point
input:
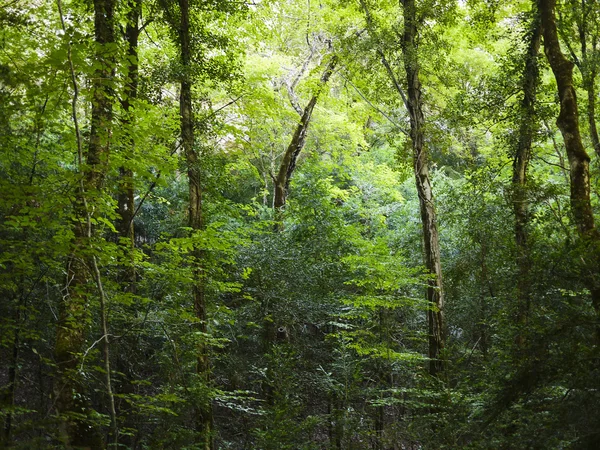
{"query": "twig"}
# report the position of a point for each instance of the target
(358, 91)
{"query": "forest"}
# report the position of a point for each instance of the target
(299, 224)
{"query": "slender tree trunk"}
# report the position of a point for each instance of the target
(204, 410)
(379, 427)
(527, 128)
(336, 421)
(588, 73)
(288, 162)
(591, 112)
(414, 103)
(74, 317)
(114, 430)
(482, 326)
(579, 161)
(126, 205)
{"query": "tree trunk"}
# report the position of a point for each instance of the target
(588, 73)
(204, 420)
(591, 112)
(527, 128)
(579, 161)
(74, 317)
(414, 103)
(288, 162)
(126, 207)
(126, 203)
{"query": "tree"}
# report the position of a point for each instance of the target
(288, 162)
(412, 100)
(584, 14)
(524, 141)
(579, 160)
(431, 246)
(149, 153)
(70, 339)
(195, 214)
(126, 202)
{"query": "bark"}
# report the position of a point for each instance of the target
(527, 128)
(290, 157)
(588, 73)
(126, 205)
(482, 326)
(204, 419)
(414, 103)
(71, 336)
(590, 86)
(579, 160)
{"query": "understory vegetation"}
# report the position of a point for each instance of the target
(285, 224)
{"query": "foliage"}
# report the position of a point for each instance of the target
(316, 323)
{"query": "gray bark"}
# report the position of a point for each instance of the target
(414, 103)
(290, 157)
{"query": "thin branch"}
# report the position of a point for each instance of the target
(556, 149)
(291, 86)
(552, 164)
(89, 349)
(214, 113)
(293, 98)
(150, 189)
(106, 350)
(143, 27)
(159, 174)
(359, 92)
(390, 72)
(384, 60)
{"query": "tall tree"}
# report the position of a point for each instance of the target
(195, 218)
(527, 117)
(74, 315)
(585, 15)
(288, 162)
(588, 65)
(579, 160)
(414, 104)
(127, 277)
(412, 100)
(126, 205)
